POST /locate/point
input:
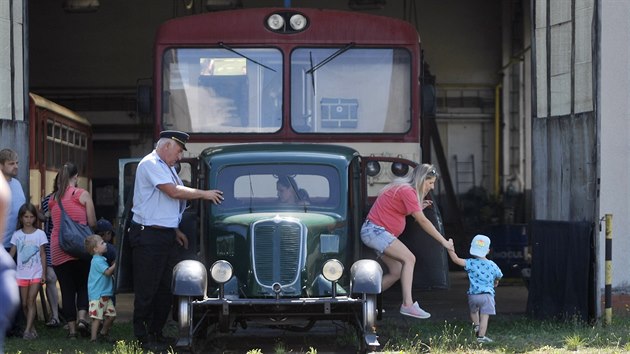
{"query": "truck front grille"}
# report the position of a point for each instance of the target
(277, 250)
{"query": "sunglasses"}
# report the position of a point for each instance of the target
(432, 173)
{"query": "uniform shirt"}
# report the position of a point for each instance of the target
(99, 284)
(392, 206)
(17, 200)
(482, 274)
(29, 259)
(77, 212)
(151, 206)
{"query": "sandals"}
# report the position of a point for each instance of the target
(53, 323)
(29, 335)
(84, 328)
(72, 336)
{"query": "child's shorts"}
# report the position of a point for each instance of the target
(27, 282)
(102, 307)
(482, 303)
(376, 237)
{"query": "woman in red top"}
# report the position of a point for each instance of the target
(386, 221)
(72, 272)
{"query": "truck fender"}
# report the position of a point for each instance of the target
(190, 278)
(366, 276)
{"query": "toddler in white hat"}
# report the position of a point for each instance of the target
(484, 276)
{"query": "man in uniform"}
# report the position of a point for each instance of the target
(159, 200)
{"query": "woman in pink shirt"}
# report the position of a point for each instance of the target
(386, 221)
(72, 272)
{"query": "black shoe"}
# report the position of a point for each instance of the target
(160, 338)
(105, 338)
(153, 346)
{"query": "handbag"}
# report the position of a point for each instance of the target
(72, 235)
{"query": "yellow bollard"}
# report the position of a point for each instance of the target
(608, 272)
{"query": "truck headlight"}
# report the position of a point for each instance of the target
(332, 270)
(221, 271)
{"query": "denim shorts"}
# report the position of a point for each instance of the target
(376, 237)
(482, 303)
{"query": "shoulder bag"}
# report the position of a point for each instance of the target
(72, 235)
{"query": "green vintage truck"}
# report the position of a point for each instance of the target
(260, 257)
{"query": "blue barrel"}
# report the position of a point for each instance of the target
(509, 248)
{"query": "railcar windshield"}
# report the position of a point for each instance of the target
(332, 90)
(357, 90)
(222, 90)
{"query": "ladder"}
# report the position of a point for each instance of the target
(464, 174)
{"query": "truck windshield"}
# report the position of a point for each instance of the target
(279, 186)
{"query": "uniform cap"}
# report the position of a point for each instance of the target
(180, 137)
(104, 225)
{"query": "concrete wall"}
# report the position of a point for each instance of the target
(614, 136)
(13, 122)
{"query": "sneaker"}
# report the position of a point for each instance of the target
(414, 311)
(484, 339)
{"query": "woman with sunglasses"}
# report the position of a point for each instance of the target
(386, 221)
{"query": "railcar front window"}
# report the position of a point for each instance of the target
(354, 90)
(222, 91)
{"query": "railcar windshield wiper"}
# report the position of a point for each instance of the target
(227, 47)
(330, 57)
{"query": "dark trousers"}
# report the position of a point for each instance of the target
(73, 279)
(154, 253)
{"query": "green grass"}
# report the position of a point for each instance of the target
(511, 335)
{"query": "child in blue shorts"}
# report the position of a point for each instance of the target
(484, 276)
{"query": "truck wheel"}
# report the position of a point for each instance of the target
(184, 321)
(369, 312)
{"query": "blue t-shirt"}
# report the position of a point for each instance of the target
(482, 274)
(17, 200)
(99, 284)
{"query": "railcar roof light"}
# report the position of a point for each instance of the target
(275, 22)
(373, 168)
(400, 169)
(298, 22)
